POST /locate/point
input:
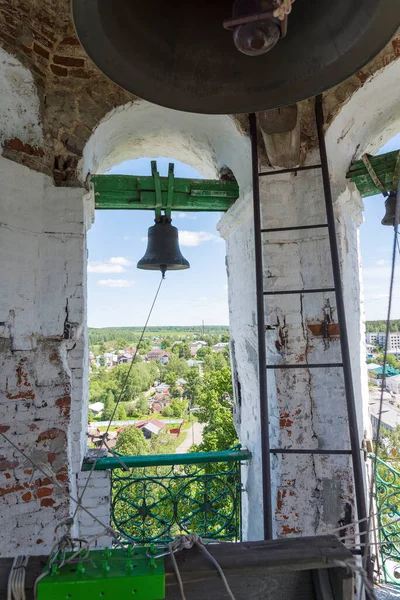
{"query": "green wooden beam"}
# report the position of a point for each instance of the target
(384, 166)
(158, 460)
(130, 192)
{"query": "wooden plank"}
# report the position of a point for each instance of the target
(274, 570)
(130, 192)
(322, 585)
(383, 165)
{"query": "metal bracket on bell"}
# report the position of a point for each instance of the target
(266, 15)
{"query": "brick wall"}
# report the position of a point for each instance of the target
(43, 355)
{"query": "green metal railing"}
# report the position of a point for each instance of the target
(388, 507)
(159, 497)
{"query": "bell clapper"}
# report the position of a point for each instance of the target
(257, 26)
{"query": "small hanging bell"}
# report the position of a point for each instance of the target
(163, 252)
(390, 207)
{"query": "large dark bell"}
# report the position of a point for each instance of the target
(163, 252)
(390, 208)
(178, 54)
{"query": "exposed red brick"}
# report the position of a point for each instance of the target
(51, 456)
(18, 146)
(6, 465)
(47, 502)
(26, 497)
(41, 51)
(396, 46)
(81, 73)
(39, 541)
(53, 355)
(11, 489)
(286, 530)
(7, 475)
(64, 405)
(62, 477)
(318, 329)
(43, 492)
(68, 61)
(4, 428)
(28, 395)
(362, 76)
(60, 71)
(51, 434)
(70, 41)
(28, 471)
(283, 423)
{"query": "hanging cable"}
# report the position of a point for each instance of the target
(378, 427)
(80, 497)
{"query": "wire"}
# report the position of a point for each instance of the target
(16, 579)
(80, 497)
(378, 428)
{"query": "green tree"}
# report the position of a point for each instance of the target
(102, 361)
(109, 405)
(178, 407)
(216, 411)
(163, 443)
(131, 442)
(391, 360)
(120, 413)
(90, 416)
(102, 348)
(177, 365)
(142, 405)
(193, 386)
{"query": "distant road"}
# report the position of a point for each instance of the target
(121, 423)
(194, 436)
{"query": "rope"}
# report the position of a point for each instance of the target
(186, 542)
(283, 10)
(355, 569)
(80, 497)
(16, 579)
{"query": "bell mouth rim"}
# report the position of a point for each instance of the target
(120, 70)
(160, 267)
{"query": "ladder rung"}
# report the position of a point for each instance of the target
(315, 291)
(314, 451)
(305, 366)
(297, 228)
(293, 170)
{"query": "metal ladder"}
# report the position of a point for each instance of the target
(355, 451)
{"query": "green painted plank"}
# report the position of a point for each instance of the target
(194, 458)
(383, 165)
(130, 192)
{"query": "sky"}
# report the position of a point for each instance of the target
(376, 244)
(120, 295)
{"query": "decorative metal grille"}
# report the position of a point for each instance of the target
(156, 503)
(388, 506)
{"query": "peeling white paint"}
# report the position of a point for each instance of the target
(19, 102)
(135, 130)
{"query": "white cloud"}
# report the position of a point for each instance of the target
(376, 292)
(195, 238)
(144, 239)
(115, 264)
(183, 215)
(126, 238)
(120, 260)
(116, 283)
(381, 262)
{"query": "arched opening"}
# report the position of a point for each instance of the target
(200, 147)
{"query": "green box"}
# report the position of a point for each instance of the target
(107, 575)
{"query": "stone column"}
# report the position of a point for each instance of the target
(43, 354)
(310, 493)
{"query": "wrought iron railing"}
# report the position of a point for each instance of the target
(388, 508)
(159, 497)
